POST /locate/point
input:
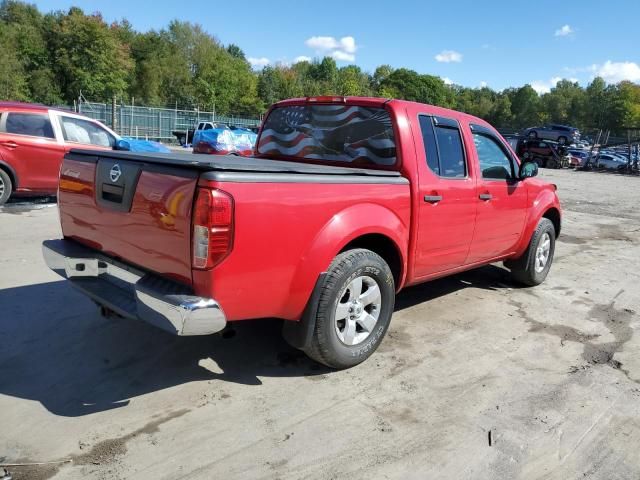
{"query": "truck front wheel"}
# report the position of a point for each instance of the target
(354, 310)
(533, 266)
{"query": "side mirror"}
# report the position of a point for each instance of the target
(122, 145)
(528, 170)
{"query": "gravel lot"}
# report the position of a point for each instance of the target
(477, 378)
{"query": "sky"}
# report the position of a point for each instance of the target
(499, 44)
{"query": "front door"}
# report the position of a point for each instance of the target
(447, 198)
(501, 197)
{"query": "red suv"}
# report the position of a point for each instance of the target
(33, 141)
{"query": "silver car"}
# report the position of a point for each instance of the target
(562, 134)
(610, 161)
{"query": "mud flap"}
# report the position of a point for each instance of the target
(298, 334)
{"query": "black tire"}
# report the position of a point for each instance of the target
(524, 269)
(539, 161)
(562, 140)
(326, 347)
(551, 163)
(6, 187)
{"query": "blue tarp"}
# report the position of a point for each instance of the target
(146, 146)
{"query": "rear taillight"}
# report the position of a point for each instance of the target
(212, 236)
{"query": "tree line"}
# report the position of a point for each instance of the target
(51, 57)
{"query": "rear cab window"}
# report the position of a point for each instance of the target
(31, 124)
(345, 135)
(443, 146)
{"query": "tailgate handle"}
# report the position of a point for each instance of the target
(112, 193)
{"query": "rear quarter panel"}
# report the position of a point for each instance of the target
(286, 234)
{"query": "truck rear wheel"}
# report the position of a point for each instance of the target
(354, 310)
(533, 266)
(5, 187)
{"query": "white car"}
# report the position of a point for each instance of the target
(610, 161)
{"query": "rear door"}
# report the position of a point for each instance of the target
(29, 145)
(501, 198)
(447, 194)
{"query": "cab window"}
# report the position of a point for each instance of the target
(30, 124)
(495, 163)
(77, 130)
(443, 147)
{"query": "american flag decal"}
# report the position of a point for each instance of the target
(340, 133)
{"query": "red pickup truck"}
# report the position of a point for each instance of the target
(345, 202)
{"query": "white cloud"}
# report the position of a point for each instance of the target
(447, 81)
(258, 62)
(483, 84)
(564, 31)
(342, 49)
(302, 58)
(542, 86)
(614, 72)
(448, 56)
(343, 56)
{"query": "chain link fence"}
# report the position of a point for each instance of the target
(151, 123)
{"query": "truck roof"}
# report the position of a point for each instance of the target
(381, 102)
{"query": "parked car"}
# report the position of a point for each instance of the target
(224, 142)
(347, 201)
(562, 134)
(545, 153)
(34, 139)
(578, 157)
(610, 161)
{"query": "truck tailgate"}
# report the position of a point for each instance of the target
(135, 211)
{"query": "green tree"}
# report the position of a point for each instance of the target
(409, 85)
(525, 106)
(89, 56)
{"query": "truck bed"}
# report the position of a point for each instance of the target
(230, 163)
(142, 215)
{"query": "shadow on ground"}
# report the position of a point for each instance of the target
(57, 349)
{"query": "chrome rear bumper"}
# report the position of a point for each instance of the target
(133, 293)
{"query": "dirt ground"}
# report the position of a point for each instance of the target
(477, 378)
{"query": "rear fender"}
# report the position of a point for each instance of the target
(344, 227)
(545, 200)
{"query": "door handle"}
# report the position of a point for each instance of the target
(485, 197)
(9, 144)
(432, 198)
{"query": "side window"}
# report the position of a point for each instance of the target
(78, 130)
(495, 164)
(542, 145)
(31, 124)
(443, 147)
(207, 126)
